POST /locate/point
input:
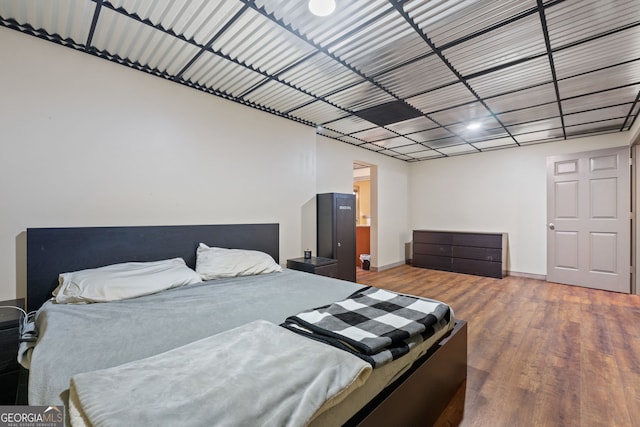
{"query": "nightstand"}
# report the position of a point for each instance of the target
(315, 265)
(9, 336)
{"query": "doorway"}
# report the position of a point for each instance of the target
(362, 189)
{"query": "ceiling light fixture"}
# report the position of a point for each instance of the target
(322, 7)
(474, 126)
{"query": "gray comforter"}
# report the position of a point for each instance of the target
(82, 338)
(258, 374)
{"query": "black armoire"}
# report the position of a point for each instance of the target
(336, 231)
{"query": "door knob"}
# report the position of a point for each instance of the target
(552, 226)
(339, 244)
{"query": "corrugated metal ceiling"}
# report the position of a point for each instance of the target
(529, 71)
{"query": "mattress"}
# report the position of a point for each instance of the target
(83, 338)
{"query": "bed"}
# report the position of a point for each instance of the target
(408, 391)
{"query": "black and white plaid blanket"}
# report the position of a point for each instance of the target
(376, 325)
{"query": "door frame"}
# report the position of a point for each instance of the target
(634, 143)
(635, 230)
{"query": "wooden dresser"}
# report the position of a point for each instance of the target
(480, 254)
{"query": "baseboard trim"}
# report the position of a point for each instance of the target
(388, 266)
(542, 277)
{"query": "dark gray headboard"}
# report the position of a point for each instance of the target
(51, 251)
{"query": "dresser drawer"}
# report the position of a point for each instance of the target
(478, 240)
(434, 237)
(432, 249)
(432, 261)
(478, 268)
(482, 254)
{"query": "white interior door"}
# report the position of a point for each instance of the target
(588, 219)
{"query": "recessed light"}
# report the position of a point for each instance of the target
(474, 126)
(322, 7)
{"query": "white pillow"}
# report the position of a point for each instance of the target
(215, 263)
(122, 281)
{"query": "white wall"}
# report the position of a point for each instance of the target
(86, 142)
(496, 191)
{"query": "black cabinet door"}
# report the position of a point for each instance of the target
(346, 237)
(336, 231)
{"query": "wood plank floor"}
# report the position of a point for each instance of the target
(539, 353)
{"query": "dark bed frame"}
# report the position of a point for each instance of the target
(51, 251)
(416, 398)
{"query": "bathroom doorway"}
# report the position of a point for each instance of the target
(362, 189)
